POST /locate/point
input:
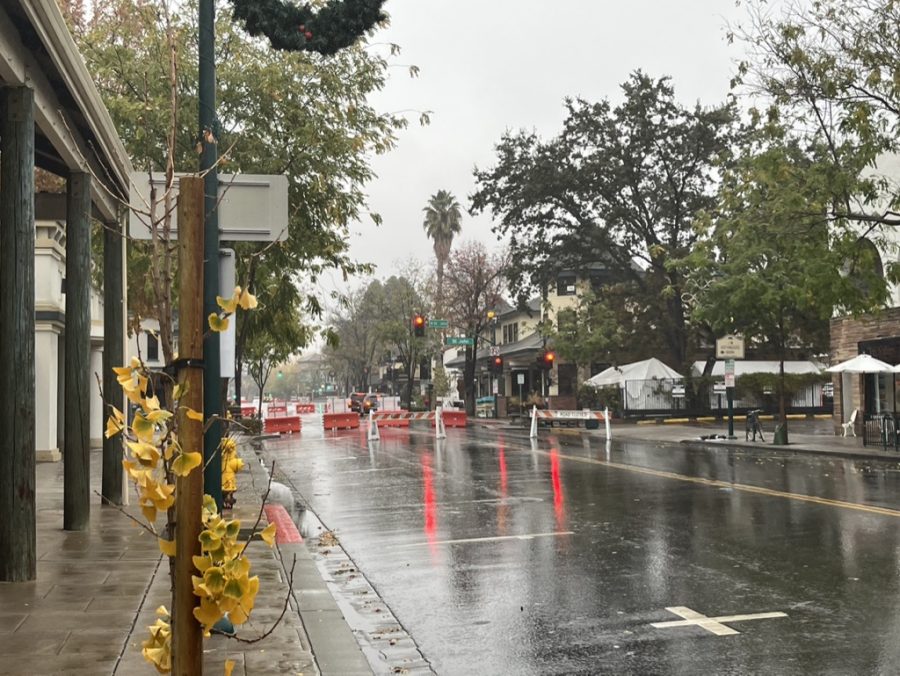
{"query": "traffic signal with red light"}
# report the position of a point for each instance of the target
(419, 326)
(495, 365)
(548, 359)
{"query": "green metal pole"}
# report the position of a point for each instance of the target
(212, 388)
(730, 393)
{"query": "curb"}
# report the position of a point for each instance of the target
(789, 448)
(331, 640)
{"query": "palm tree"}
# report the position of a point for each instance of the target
(442, 222)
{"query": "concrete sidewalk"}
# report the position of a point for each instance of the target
(97, 590)
(821, 442)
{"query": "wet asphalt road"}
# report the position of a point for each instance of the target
(502, 556)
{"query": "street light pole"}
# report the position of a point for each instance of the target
(212, 385)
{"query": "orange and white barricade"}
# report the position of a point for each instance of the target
(584, 414)
(403, 419)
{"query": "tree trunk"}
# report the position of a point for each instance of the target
(187, 634)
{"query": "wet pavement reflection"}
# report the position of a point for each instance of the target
(501, 555)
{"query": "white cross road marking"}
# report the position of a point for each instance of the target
(528, 536)
(712, 624)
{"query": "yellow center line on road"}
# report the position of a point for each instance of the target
(746, 488)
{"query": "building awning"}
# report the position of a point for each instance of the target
(74, 132)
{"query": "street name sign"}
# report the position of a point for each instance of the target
(457, 340)
(251, 208)
(438, 324)
(730, 347)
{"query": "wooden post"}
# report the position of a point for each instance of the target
(77, 430)
(187, 633)
(17, 453)
(113, 355)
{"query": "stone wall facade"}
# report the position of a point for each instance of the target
(872, 334)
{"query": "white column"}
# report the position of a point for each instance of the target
(46, 372)
(97, 415)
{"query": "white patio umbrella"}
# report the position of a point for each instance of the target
(862, 363)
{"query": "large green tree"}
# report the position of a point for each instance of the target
(397, 300)
(776, 267)
(829, 71)
(619, 184)
(474, 286)
(279, 112)
(357, 343)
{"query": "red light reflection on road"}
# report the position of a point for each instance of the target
(502, 507)
(559, 508)
(429, 500)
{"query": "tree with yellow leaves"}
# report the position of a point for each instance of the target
(154, 458)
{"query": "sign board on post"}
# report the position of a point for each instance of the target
(729, 373)
(227, 337)
(252, 207)
(520, 378)
(457, 340)
(730, 347)
(438, 323)
(495, 351)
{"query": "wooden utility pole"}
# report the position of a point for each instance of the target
(77, 436)
(17, 455)
(187, 634)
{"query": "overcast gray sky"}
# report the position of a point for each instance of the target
(491, 65)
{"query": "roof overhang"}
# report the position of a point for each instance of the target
(74, 132)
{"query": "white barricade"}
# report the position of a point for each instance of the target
(584, 414)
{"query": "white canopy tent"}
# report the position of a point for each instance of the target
(645, 385)
(648, 369)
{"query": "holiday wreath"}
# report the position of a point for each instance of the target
(297, 28)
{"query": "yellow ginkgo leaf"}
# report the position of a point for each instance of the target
(201, 563)
(217, 323)
(184, 463)
(229, 667)
(228, 305)
(248, 300)
(268, 534)
(179, 391)
(113, 427)
(151, 403)
(149, 512)
(135, 363)
(143, 429)
(162, 611)
(146, 453)
(207, 614)
(158, 416)
(167, 547)
(192, 414)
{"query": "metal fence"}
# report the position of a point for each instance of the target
(811, 396)
(668, 394)
(880, 430)
(651, 395)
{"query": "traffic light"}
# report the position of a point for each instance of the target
(495, 365)
(419, 326)
(547, 359)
